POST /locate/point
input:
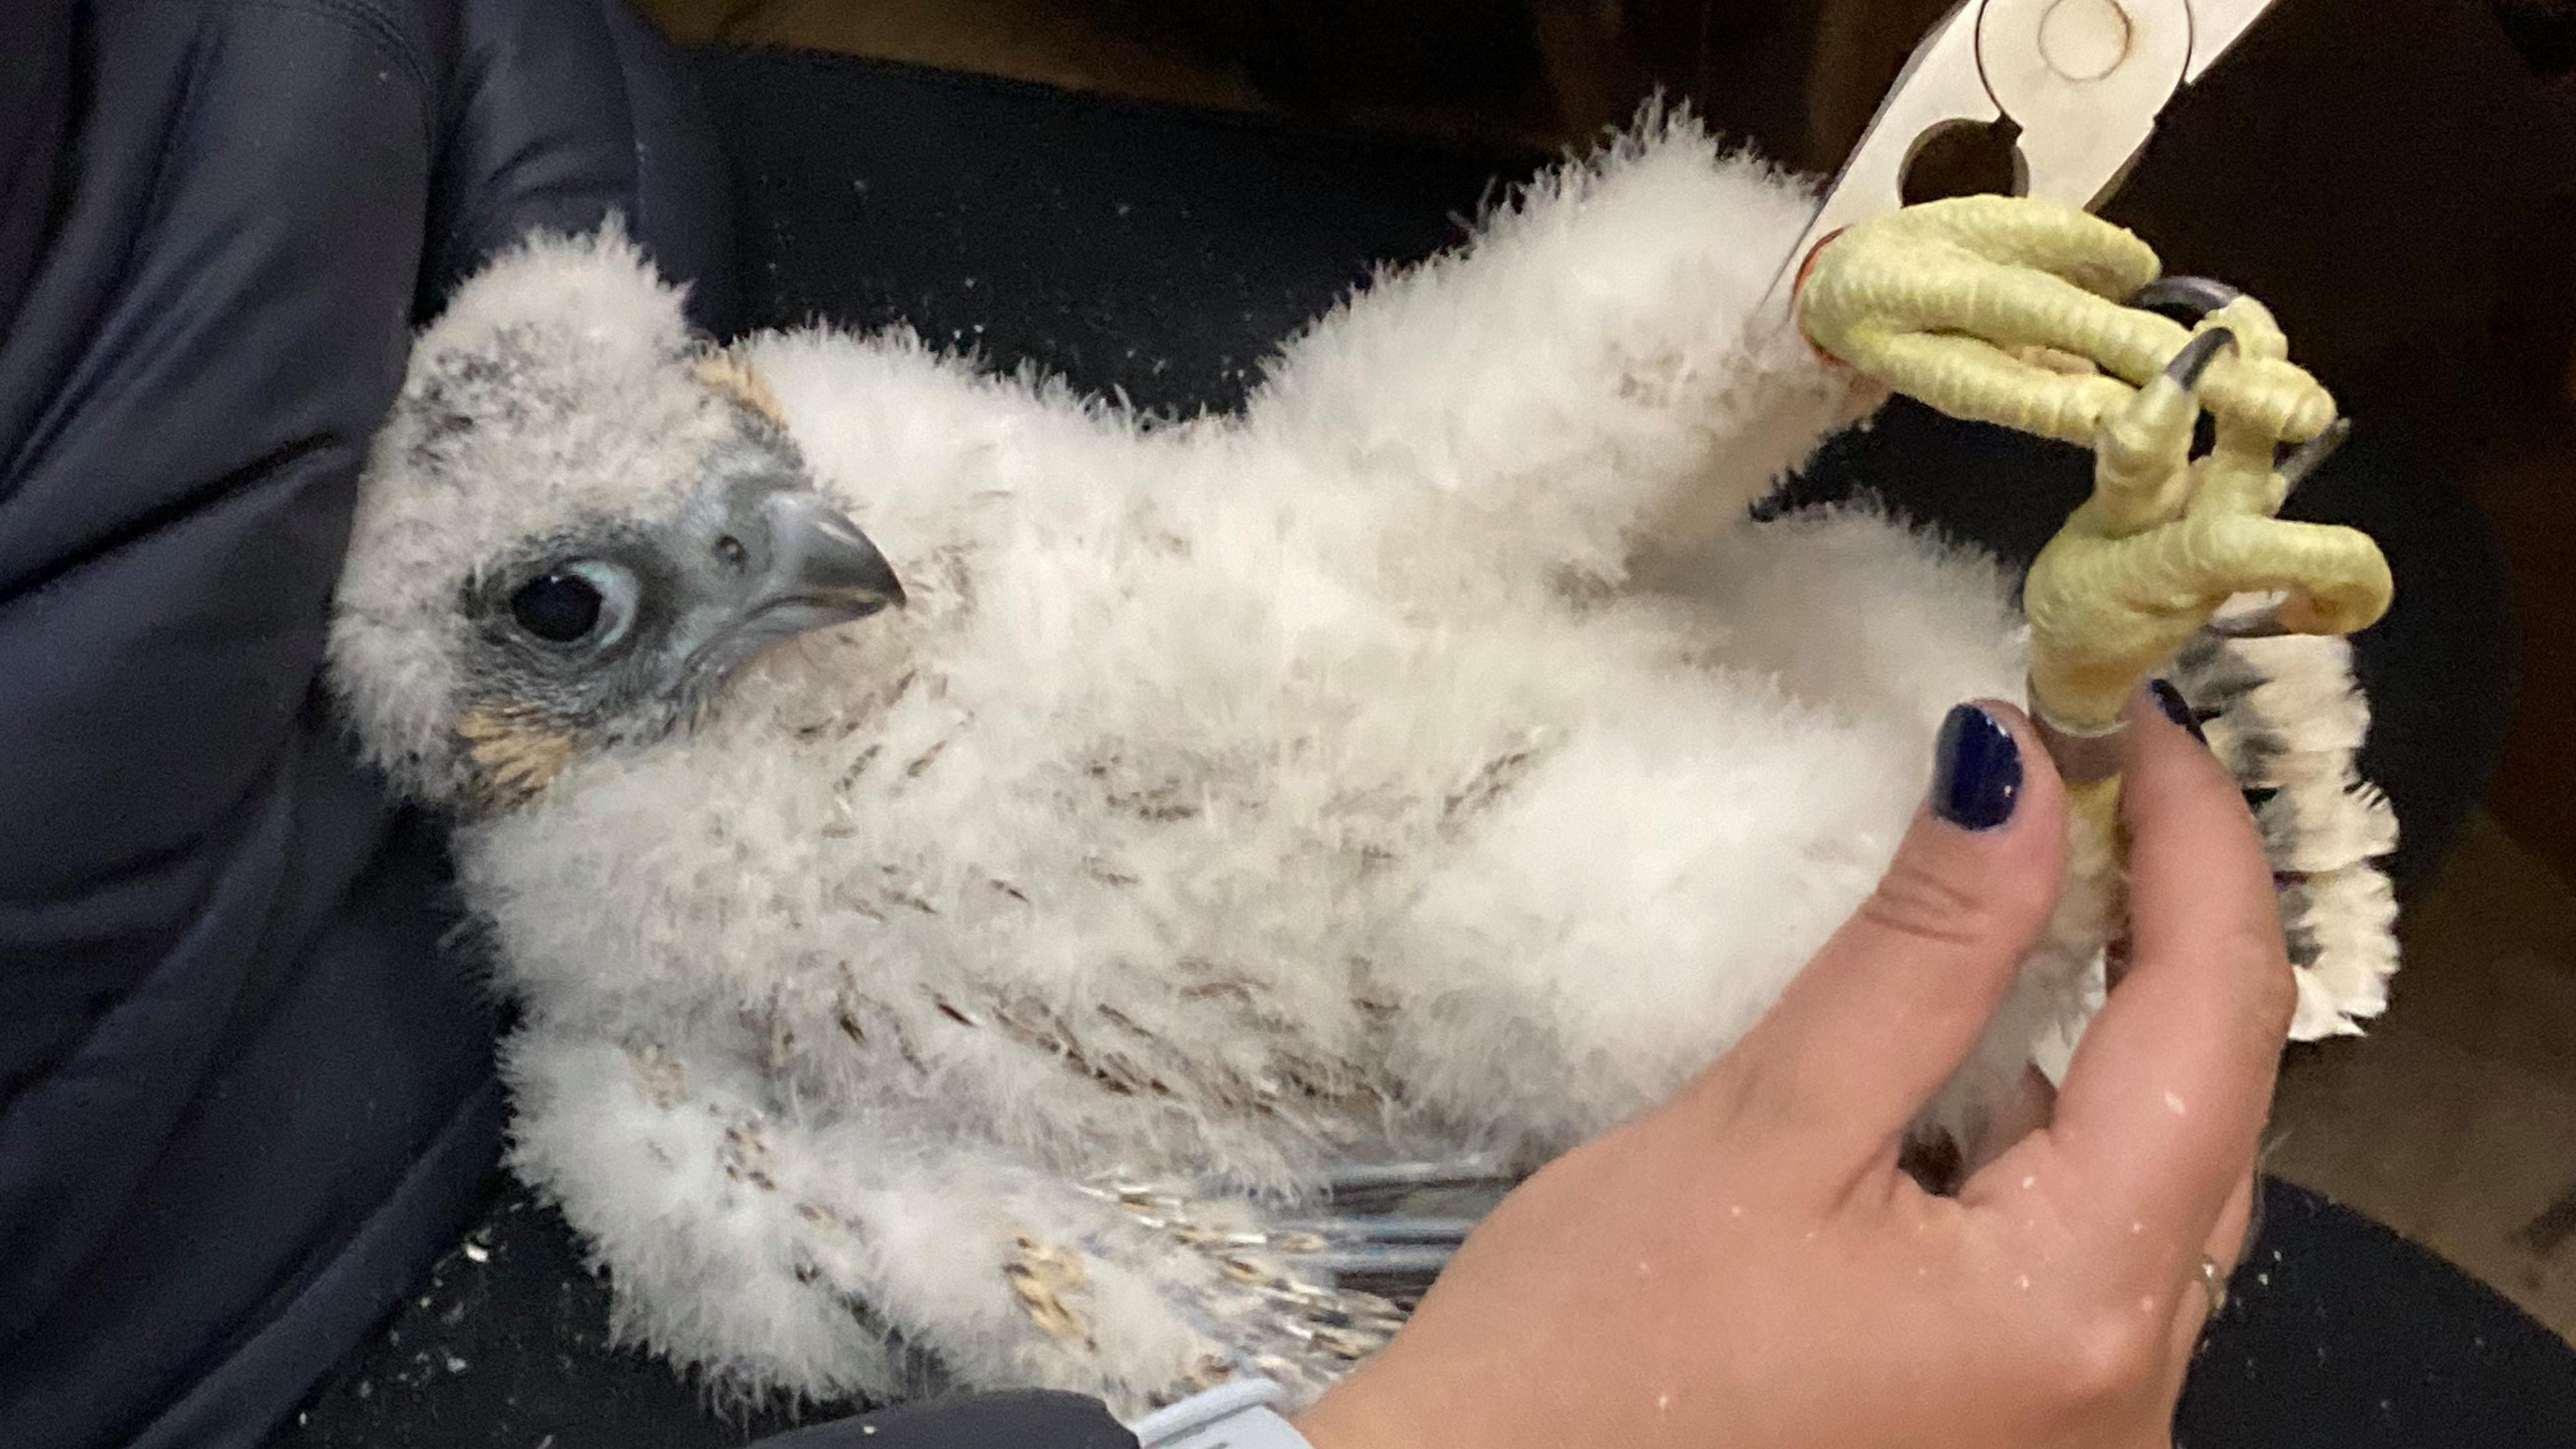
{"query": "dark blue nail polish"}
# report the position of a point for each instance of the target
(2176, 708)
(1976, 770)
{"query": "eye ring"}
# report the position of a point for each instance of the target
(583, 603)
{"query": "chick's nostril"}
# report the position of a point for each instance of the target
(730, 549)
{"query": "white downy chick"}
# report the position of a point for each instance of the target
(1237, 818)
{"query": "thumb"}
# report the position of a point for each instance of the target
(1894, 1001)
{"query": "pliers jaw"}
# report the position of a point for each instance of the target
(2076, 85)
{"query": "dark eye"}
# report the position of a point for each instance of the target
(560, 608)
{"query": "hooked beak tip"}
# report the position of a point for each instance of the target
(820, 558)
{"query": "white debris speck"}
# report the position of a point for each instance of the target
(455, 1365)
(2263, 1278)
(2136, 1226)
(2028, 1183)
(2147, 1304)
(1663, 1402)
(2022, 1282)
(1735, 1210)
(478, 1252)
(2174, 1104)
(867, 1428)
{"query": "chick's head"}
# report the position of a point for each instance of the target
(577, 523)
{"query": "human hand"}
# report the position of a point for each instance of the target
(1748, 1265)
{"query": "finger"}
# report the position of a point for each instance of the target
(2195, 1305)
(2232, 1235)
(2158, 1115)
(1892, 1003)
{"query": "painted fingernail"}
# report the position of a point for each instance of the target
(2176, 708)
(1976, 770)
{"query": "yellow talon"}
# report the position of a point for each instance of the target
(1969, 305)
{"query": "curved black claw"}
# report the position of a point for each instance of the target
(2198, 354)
(2192, 297)
(2311, 454)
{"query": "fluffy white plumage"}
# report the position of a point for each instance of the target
(1428, 761)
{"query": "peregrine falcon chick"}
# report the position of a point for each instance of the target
(1030, 972)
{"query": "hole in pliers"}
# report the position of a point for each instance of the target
(1964, 158)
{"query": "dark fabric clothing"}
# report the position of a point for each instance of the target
(243, 1099)
(555, 113)
(2339, 1334)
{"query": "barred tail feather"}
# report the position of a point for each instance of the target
(2287, 719)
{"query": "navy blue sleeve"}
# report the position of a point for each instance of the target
(242, 1094)
(559, 111)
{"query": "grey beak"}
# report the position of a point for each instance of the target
(820, 565)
